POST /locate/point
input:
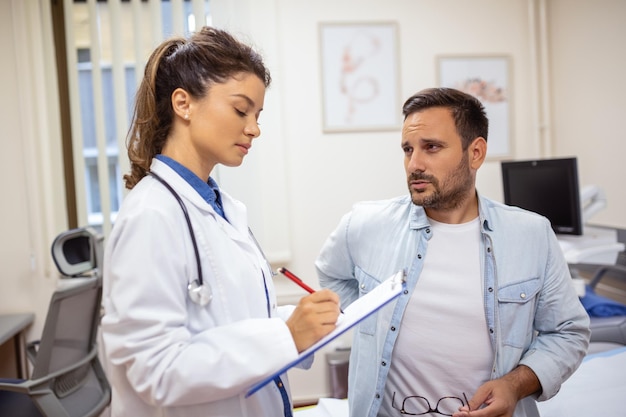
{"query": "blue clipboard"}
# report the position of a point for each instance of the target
(356, 312)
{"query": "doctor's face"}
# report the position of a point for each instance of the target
(223, 124)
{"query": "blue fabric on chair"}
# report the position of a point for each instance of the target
(599, 306)
(17, 404)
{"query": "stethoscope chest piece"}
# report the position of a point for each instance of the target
(199, 293)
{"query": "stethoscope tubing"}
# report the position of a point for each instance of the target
(188, 220)
(199, 292)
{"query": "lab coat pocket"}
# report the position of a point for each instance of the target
(517, 304)
(366, 284)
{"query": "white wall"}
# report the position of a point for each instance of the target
(588, 88)
(323, 174)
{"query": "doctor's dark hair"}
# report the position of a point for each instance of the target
(467, 111)
(210, 56)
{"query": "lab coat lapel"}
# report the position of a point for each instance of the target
(237, 225)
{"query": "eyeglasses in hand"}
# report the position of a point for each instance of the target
(416, 405)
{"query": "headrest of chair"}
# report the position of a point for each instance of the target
(75, 251)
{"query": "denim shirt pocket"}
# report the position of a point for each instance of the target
(366, 284)
(516, 303)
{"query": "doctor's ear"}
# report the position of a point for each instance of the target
(181, 103)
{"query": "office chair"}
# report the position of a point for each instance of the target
(607, 332)
(67, 378)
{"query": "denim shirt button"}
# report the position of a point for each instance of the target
(490, 330)
(362, 286)
(383, 363)
(490, 289)
(522, 295)
(419, 256)
(377, 395)
(393, 328)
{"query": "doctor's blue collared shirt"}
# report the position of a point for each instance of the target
(533, 314)
(208, 190)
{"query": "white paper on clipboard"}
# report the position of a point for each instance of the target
(356, 312)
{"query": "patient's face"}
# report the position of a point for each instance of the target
(438, 170)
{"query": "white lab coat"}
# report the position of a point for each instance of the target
(165, 355)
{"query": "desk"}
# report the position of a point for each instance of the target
(598, 245)
(13, 326)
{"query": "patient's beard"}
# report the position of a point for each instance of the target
(452, 192)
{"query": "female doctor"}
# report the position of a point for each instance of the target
(191, 320)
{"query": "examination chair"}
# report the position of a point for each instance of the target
(607, 332)
(67, 378)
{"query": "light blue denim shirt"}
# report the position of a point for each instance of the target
(533, 314)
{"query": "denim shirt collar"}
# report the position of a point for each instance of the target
(208, 190)
(483, 214)
(418, 218)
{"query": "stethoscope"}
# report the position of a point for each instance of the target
(199, 291)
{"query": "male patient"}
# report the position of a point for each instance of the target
(489, 322)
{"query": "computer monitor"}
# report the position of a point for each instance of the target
(548, 187)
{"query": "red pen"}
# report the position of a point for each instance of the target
(295, 279)
(298, 281)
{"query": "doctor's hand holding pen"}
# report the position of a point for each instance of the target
(314, 316)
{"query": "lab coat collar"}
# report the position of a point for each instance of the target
(236, 211)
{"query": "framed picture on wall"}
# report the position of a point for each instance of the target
(359, 72)
(488, 79)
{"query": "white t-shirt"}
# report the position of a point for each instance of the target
(443, 353)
